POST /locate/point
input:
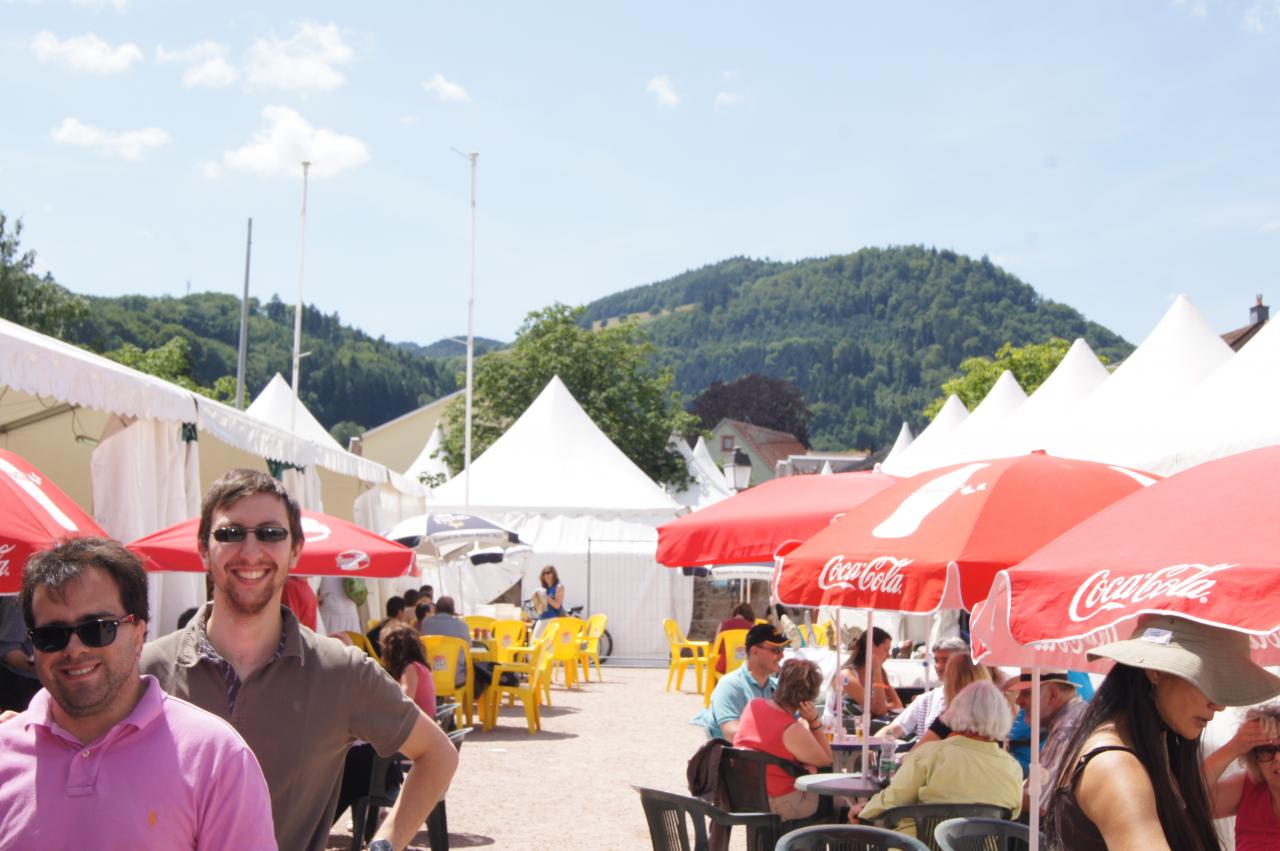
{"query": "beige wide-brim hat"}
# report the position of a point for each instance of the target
(1213, 659)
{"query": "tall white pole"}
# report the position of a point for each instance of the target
(297, 313)
(471, 331)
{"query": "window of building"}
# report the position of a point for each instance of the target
(726, 443)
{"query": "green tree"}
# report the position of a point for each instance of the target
(172, 362)
(345, 430)
(610, 372)
(1030, 364)
(28, 299)
(757, 399)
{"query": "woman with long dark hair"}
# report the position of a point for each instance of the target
(1132, 778)
(406, 662)
(883, 696)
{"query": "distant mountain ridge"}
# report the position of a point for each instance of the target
(868, 337)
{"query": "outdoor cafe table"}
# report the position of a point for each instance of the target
(853, 785)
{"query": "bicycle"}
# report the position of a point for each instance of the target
(606, 640)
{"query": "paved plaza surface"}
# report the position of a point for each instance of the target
(569, 786)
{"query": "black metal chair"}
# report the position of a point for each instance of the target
(849, 837)
(743, 774)
(927, 817)
(673, 817)
(364, 811)
(982, 834)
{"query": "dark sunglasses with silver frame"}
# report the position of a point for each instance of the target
(99, 632)
(233, 533)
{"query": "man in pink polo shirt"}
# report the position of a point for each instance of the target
(103, 757)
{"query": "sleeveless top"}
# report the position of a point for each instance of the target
(1257, 828)
(760, 729)
(1074, 830)
(425, 696)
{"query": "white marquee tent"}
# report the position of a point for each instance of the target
(1002, 401)
(121, 443)
(708, 485)
(947, 420)
(586, 508)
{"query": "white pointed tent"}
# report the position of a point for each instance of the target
(1075, 377)
(952, 414)
(1233, 410)
(586, 508)
(707, 485)
(427, 463)
(904, 439)
(1002, 401)
(1114, 424)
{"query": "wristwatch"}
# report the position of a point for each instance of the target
(381, 845)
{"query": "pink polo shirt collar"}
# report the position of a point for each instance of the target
(149, 707)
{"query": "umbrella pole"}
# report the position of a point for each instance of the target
(838, 732)
(867, 645)
(1033, 791)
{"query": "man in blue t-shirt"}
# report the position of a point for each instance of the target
(755, 678)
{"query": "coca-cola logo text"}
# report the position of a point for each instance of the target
(879, 574)
(5, 549)
(1100, 593)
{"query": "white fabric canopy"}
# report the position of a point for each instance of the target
(1076, 376)
(1233, 410)
(905, 438)
(1002, 401)
(708, 485)
(948, 419)
(426, 463)
(1115, 423)
(554, 459)
(277, 405)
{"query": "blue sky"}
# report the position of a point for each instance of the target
(1110, 154)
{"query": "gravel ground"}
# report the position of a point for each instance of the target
(569, 785)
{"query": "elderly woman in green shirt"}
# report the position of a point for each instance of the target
(968, 767)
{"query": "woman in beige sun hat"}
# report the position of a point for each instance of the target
(1132, 778)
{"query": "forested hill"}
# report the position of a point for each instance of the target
(348, 375)
(867, 338)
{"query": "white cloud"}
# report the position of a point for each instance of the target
(128, 145)
(1272, 226)
(206, 63)
(85, 53)
(446, 90)
(118, 5)
(209, 169)
(725, 100)
(286, 139)
(1197, 8)
(662, 89)
(309, 59)
(410, 120)
(1254, 19)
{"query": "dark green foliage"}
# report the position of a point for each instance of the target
(348, 375)
(757, 399)
(867, 338)
(25, 297)
(453, 347)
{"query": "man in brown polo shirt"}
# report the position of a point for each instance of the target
(299, 699)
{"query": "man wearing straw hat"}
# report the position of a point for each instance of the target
(1061, 709)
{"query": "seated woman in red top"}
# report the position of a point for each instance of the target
(742, 617)
(1252, 795)
(771, 726)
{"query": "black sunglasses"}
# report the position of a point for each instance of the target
(99, 632)
(1265, 753)
(235, 534)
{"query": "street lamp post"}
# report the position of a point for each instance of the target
(471, 331)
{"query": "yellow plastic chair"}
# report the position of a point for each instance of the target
(359, 639)
(507, 635)
(731, 645)
(371, 623)
(822, 634)
(481, 626)
(677, 644)
(590, 650)
(566, 647)
(531, 675)
(442, 658)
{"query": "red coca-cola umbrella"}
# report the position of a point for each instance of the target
(332, 547)
(750, 526)
(1204, 544)
(938, 539)
(34, 513)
